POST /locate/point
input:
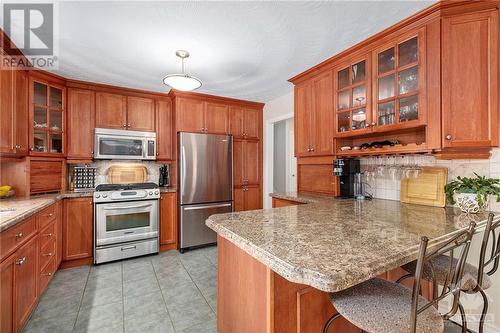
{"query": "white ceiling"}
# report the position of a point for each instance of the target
(238, 49)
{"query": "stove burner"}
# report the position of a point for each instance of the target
(125, 187)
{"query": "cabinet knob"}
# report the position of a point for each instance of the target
(128, 125)
(19, 235)
(448, 137)
(21, 261)
(18, 146)
(374, 124)
(50, 215)
(124, 125)
(31, 148)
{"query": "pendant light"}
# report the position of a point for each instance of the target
(182, 82)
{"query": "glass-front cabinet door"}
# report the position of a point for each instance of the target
(399, 84)
(352, 107)
(47, 118)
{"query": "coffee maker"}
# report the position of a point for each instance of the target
(164, 180)
(346, 169)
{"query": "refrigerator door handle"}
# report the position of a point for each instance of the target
(205, 207)
(183, 165)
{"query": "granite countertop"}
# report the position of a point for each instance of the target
(332, 244)
(13, 211)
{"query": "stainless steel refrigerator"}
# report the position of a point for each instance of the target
(206, 184)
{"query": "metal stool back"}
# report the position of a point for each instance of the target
(459, 243)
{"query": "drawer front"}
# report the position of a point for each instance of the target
(47, 253)
(16, 236)
(47, 274)
(126, 251)
(48, 234)
(47, 216)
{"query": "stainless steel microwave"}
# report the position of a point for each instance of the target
(124, 145)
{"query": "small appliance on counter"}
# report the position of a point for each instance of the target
(83, 178)
(164, 178)
(346, 169)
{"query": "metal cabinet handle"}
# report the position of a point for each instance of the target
(448, 137)
(50, 254)
(47, 274)
(48, 235)
(19, 235)
(21, 261)
(128, 248)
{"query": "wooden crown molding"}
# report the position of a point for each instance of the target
(221, 99)
(435, 11)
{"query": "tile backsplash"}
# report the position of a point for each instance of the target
(384, 188)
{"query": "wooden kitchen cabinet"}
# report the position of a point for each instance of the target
(247, 198)
(7, 267)
(246, 162)
(216, 118)
(245, 122)
(13, 112)
(77, 228)
(165, 133)
(317, 178)
(140, 114)
(168, 221)
(314, 116)
(111, 110)
(190, 115)
(470, 80)
(284, 203)
(46, 175)
(81, 123)
(25, 274)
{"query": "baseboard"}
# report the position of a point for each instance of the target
(76, 263)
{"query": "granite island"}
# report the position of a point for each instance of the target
(277, 266)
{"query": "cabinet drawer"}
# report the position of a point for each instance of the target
(47, 215)
(46, 275)
(48, 234)
(47, 253)
(14, 237)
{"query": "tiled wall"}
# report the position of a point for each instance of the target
(384, 188)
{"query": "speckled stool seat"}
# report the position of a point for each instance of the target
(381, 306)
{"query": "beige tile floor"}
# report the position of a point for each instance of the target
(169, 293)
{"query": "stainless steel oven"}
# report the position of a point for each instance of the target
(122, 144)
(126, 221)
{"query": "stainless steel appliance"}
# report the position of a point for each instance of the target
(125, 145)
(125, 221)
(346, 169)
(205, 184)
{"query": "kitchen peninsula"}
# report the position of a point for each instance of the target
(277, 266)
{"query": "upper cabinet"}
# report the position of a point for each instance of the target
(47, 118)
(197, 115)
(470, 80)
(216, 118)
(245, 122)
(13, 112)
(399, 84)
(314, 116)
(124, 112)
(81, 123)
(165, 134)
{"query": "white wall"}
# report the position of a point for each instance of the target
(279, 152)
(278, 109)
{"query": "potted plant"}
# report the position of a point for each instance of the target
(472, 194)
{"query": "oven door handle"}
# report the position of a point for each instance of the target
(129, 207)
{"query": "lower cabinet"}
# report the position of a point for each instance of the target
(77, 229)
(247, 198)
(168, 221)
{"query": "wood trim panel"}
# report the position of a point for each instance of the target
(284, 203)
(220, 99)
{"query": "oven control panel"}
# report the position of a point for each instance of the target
(126, 195)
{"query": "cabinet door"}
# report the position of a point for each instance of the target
(164, 131)
(111, 110)
(77, 228)
(59, 233)
(252, 198)
(303, 105)
(251, 164)
(238, 162)
(140, 114)
(236, 121)
(317, 178)
(81, 123)
(252, 121)
(168, 219)
(322, 116)
(21, 109)
(470, 80)
(6, 111)
(239, 199)
(7, 294)
(190, 115)
(25, 274)
(217, 118)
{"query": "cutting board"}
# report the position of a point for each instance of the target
(427, 189)
(127, 174)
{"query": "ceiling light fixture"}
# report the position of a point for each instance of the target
(182, 82)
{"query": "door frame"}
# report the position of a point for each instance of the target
(268, 156)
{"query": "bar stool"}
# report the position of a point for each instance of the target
(476, 279)
(380, 306)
